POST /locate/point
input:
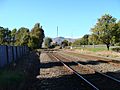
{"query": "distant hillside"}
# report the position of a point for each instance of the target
(60, 39)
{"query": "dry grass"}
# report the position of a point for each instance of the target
(103, 53)
(109, 54)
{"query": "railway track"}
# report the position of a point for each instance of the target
(89, 85)
(82, 61)
(94, 79)
(93, 57)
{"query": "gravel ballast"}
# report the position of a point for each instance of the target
(54, 76)
(102, 66)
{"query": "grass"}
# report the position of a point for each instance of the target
(10, 78)
(102, 51)
(97, 49)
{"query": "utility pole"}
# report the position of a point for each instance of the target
(57, 31)
(71, 47)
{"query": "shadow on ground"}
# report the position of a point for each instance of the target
(30, 66)
(54, 64)
(91, 62)
(72, 82)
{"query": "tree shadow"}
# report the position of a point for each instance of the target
(53, 64)
(65, 82)
(73, 82)
(91, 62)
(115, 74)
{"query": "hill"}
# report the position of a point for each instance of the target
(60, 39)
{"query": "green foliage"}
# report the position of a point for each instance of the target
(116, 49)
(93, 39)
(1, 35)
(84, 40)
(23, 36)
(5, 36)
(38, 33)
(117, 38)
(64, 43)
(69, 43)
(48, 42)
(76, 43)
(105, 29)
(117, 44)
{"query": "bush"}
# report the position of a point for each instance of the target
(117, 49)
(117, 44)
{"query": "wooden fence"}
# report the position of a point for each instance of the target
(11, 53)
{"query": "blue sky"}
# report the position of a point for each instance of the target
(73, 17)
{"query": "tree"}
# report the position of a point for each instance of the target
(69, 43)
(93, 39)
(85, 39)
(5, 36)
(105, 29)
(48, 42)
(76, 42)
(64, 43)
(117, 38)
(1, 35)
(13, 35)
(22, 36)
(32, 43)
(38, 33)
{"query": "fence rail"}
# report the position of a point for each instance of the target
(11, 53)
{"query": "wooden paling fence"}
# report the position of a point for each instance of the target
(9, 54)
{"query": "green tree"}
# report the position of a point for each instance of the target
(13, 35)
(64, 43)
(117, 38)
(76, 42)
(48, 42)
(105, 29)
(1, 35)
(32, 43)
(22, 36)
(5, 36)
(84, 39)
(93, 39)
(38, 33)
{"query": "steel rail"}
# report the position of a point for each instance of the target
(112, 78)
(75, 72)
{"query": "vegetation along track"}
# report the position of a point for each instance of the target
(97, 80)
